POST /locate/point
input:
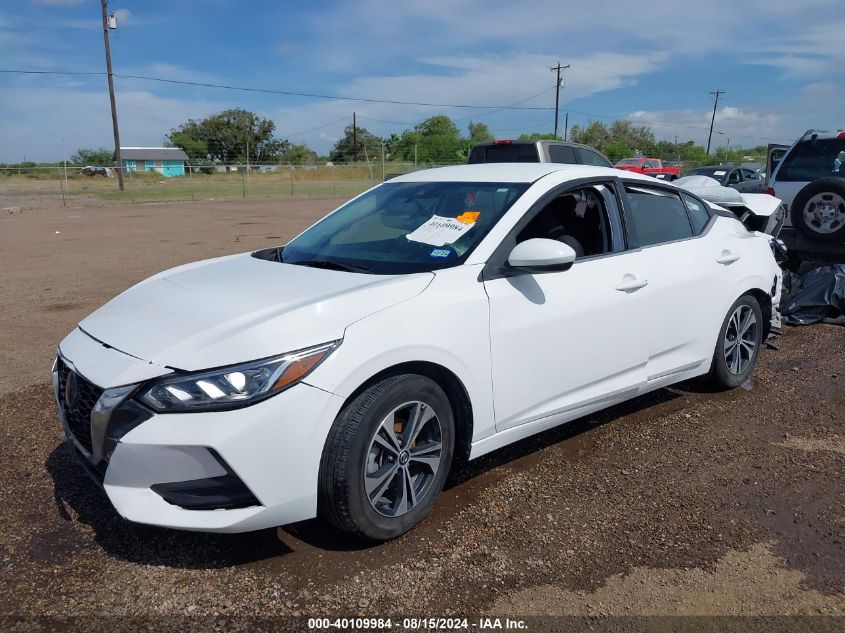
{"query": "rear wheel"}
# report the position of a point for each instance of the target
(818, 210)
(387, 457)
(738, 345)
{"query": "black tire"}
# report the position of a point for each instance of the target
(342, 496)
(833, 187)
(721, 375)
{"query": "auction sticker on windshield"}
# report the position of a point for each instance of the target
(440, 230)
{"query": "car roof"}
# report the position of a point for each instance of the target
(820, 134)
(525, 141)
(513, 172)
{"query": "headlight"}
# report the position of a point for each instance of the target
(235, 386)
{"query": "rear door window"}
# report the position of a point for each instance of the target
(562, 154)
(699, 216)
(504, 153)
(657, 216)
(589, 157)
(809, 161)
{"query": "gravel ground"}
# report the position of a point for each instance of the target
(679, 502)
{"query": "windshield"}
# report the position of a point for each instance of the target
(713, 172)
(630, 161)
(504, 153)
(401, 228)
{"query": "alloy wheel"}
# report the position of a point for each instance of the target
(403, 459)
(740, 342)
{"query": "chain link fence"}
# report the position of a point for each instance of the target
(206, 182)
(213, 182)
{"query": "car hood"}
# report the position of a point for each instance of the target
(235, 309)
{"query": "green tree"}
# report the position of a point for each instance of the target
(195, 148)
(357, 144)
(479, 133)
(298, 155)
(537, 136)
(100, 157)
(228, 134)
(439, 141)
(620, 139)
(637, 138)
(596, 134)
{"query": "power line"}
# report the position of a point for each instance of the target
(493, 109)
(289, 93)
(510, 105)
(467, 118)
(663, 124)
(319, 127)
(369, 118)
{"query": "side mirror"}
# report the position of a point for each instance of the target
(541, 255)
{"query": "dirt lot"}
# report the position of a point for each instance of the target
(680, 502)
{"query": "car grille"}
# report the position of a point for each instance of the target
(78, 411)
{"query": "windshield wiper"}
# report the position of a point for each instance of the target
(329, 265)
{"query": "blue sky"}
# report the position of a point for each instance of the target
(781, 63)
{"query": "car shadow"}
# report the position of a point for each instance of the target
(150, 545)
(143, 544)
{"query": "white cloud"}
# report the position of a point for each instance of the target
(486, 52)
(820, 88)
(467, 80)
(744, 126)
(123, 16)
(39, 122)
(812, 51)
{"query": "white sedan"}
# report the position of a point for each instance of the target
(445, 313)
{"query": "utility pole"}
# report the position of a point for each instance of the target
(111, 95)
(718, 94)
(557, 68)
(566, 127)
(354, 138)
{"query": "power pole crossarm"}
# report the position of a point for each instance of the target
(118, 160)
(557, 68)
(718, 94)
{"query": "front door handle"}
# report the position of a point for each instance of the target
(727, 258)
(631, 283)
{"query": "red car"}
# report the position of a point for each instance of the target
(650, 166)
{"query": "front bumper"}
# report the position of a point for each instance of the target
(248, 468)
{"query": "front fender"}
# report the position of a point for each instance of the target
(447, 325)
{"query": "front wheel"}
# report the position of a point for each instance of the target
(739, 344)
(387, 457)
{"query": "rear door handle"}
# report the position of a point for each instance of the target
(727, 258)
(631, 283)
